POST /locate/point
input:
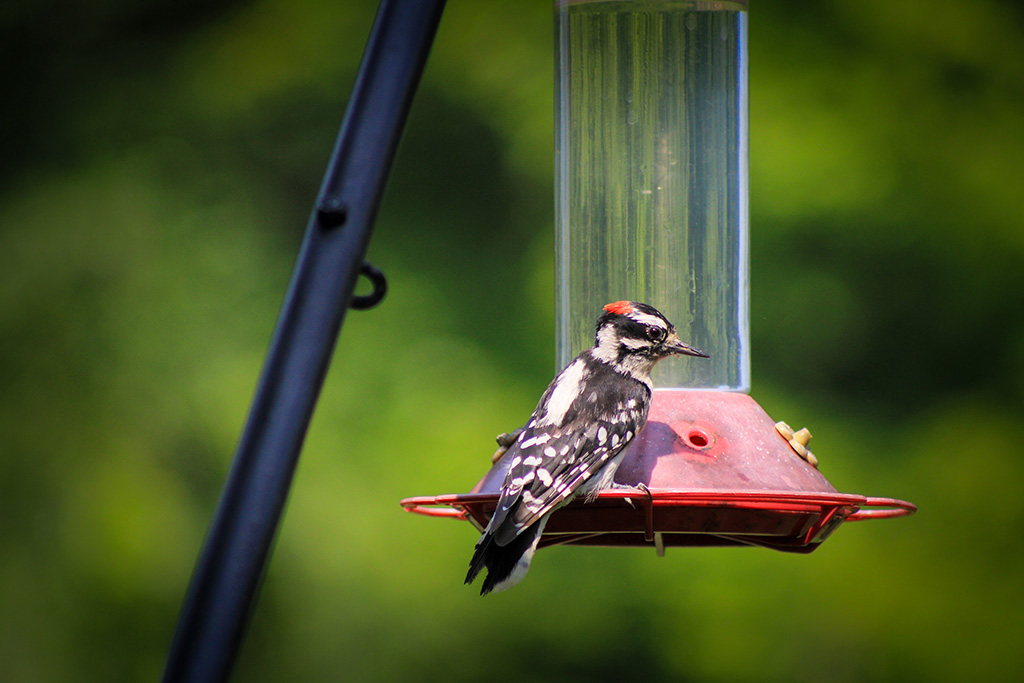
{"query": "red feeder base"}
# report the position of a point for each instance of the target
(718, 473)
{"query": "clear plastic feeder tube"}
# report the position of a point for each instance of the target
(651, 176)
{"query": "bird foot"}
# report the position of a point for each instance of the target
(637, 487)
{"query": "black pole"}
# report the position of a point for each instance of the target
(227, 574)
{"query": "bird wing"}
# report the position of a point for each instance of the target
(547, 467)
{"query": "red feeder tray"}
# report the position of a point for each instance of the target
(718, 473)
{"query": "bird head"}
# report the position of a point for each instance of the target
(636, 336)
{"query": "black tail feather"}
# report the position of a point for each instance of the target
(501, 561)
(479, 555)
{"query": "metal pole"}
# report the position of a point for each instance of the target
(226, 578)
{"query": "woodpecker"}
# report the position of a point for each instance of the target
(576, 437)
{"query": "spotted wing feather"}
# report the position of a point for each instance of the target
(550, 463)
(551, 474)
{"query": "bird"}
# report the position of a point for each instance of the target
(576, 437)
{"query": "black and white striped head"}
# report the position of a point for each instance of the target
(634, 336)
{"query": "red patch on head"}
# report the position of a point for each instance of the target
(620, 308)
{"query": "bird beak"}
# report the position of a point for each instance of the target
(676, 346)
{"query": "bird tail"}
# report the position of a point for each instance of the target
(506, 564)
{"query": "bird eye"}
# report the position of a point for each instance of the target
(656, 334)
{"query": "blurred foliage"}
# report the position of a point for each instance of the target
(159, 163)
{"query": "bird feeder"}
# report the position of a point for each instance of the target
(651, 205)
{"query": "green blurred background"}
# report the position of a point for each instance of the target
(159, 161)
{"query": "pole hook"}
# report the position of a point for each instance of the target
(380, 288)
